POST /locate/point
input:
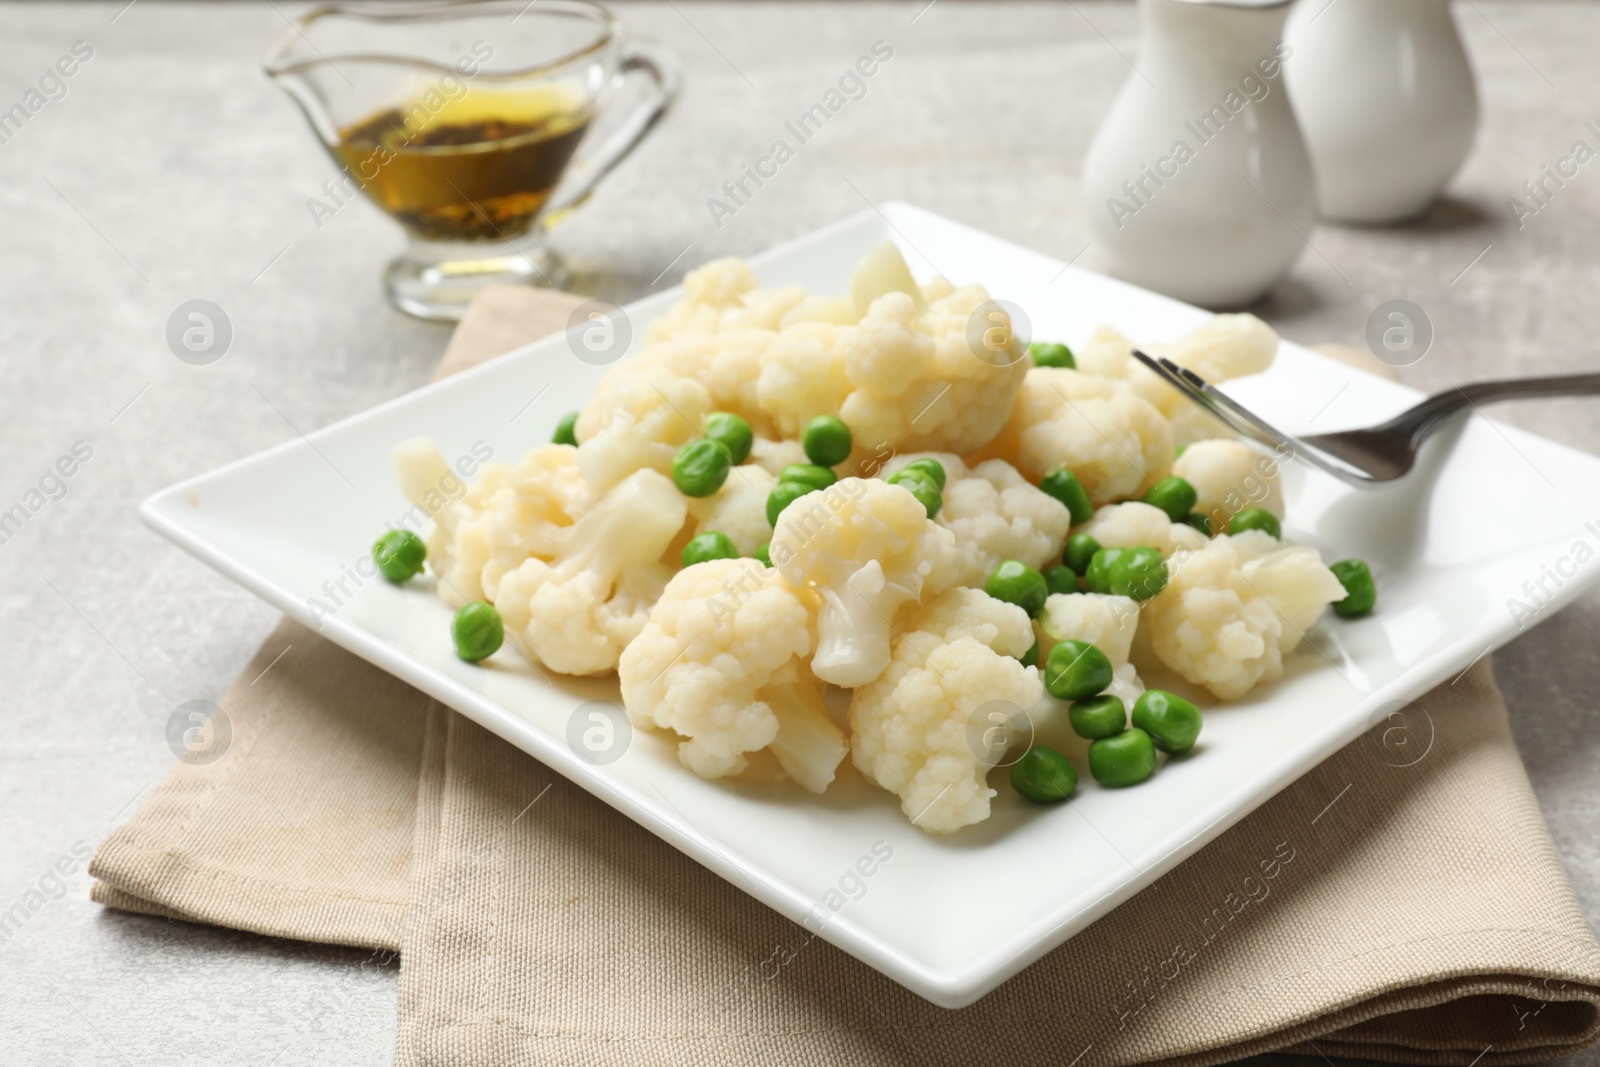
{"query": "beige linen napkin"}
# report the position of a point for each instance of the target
(1400, 902)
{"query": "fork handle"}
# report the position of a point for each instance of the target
(1423, 419)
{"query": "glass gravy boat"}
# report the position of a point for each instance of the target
(461, 120)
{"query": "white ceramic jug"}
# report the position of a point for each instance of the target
(1387, 100)
(1198, 184)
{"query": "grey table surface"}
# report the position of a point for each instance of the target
(172, 170)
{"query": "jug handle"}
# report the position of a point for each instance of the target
(653, 62)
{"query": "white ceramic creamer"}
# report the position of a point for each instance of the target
(1198, 183)
(1386, 97)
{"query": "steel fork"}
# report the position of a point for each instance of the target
(1382, 453)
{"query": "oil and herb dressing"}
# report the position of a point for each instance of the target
(481, 168)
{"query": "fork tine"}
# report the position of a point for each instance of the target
(1194, 387)
(1244, 421)
(1161, 371)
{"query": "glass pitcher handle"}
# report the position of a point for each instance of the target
(646, 59)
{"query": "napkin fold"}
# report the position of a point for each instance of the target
(1400, 902)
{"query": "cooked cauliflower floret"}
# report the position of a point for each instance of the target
(904, 374)
(638, 418)
(916, 382)
(1221, 348)
(1134, 524)
(1232, 610)
(772, 455)
(881, 271)
(710, 292)
(721, 662)
(1107, 622)
(723, 296)
(867, 548)
(910, 729)
(1116, 443)
(727, 364)
(996, 514)
(1229, 476)
(802, 376)
(512, 512)
(738, 509)
(577, 612)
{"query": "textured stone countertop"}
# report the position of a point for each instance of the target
(173, 170)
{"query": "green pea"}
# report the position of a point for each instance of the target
(808, 474)
(1076, 670)
(1097, 717)
(921, 486)
(477, 631)
(1097, 575)
(1172, 495)
(1137, 572)
(732, 433)
(1017, 583)
(826, 441)
(566, 430)
(1030, 658)
(1061, 579)
(1080, 550)
(700, 468)
(399, 554)
(1126, 759)
(1065, 487)
(1255, 519)
(713, 544)
(932, 468)
(784, 494)
(1051, 354)
(1198, 521)
(1171, 721)
(764, 554)
(1043, 775)
(1360, 591)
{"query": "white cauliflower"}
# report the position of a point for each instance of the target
(1221, 348)
(721, 662)
(911, 728)
(1107, 622)
(891, 359)
(511, 513)
(904, 374)
(996, 514)
(638, 418)
(424, 477)
(1232, 610)
(881, 271)
(578, 611)
(916, 382)
(1229, 476)
(1116, 443)
(772, 455)
(1134, 523)
(803, 376)
(738, 509)
(727, 364)
(1226, 346)
(723, 295)
(867, 548)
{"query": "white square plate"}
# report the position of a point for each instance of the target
(1449, 548)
